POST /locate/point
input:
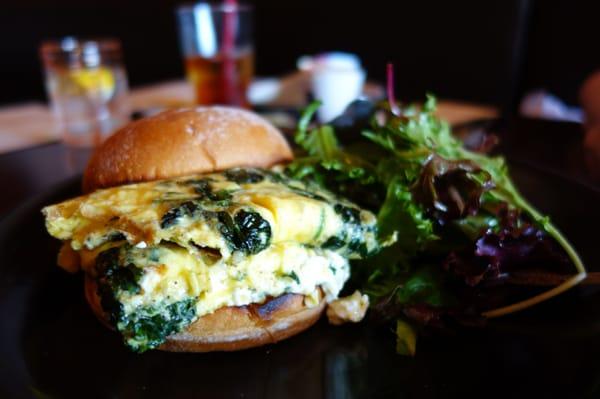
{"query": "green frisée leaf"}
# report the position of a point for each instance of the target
(406, 339)
(400, 215)
(302, 131)
(439, 210)
(322, 143)
(474, 226)
(423, 286)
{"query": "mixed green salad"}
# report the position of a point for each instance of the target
(458, 225)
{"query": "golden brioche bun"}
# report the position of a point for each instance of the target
(234, 328)
(183, 142)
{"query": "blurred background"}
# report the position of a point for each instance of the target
(520, 69)
(489, 52)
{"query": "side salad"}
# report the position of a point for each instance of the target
(458, 225)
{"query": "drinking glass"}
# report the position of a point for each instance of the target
(87, 86)
(216, 42)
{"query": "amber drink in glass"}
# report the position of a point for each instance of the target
(216, 42)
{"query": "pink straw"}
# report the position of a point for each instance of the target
(231, 9)
(390, 89)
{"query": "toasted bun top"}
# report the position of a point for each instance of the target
(182, 142)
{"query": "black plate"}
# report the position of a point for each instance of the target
(51, 346)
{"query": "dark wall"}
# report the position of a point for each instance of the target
(459, 49)
(563, 46)
(146, 29)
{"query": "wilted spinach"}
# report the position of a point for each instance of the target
(247, 231)
(149, 326)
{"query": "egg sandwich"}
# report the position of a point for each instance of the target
(192, 238)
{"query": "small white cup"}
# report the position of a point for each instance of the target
(337, 79)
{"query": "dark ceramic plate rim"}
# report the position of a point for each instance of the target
(10, 220)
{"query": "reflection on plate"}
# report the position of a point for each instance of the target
(51, 346)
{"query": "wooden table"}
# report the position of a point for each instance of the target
(30, 124)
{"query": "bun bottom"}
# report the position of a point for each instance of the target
(234, 328)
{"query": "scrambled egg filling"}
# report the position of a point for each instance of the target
(171, 274)
(165, 253)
